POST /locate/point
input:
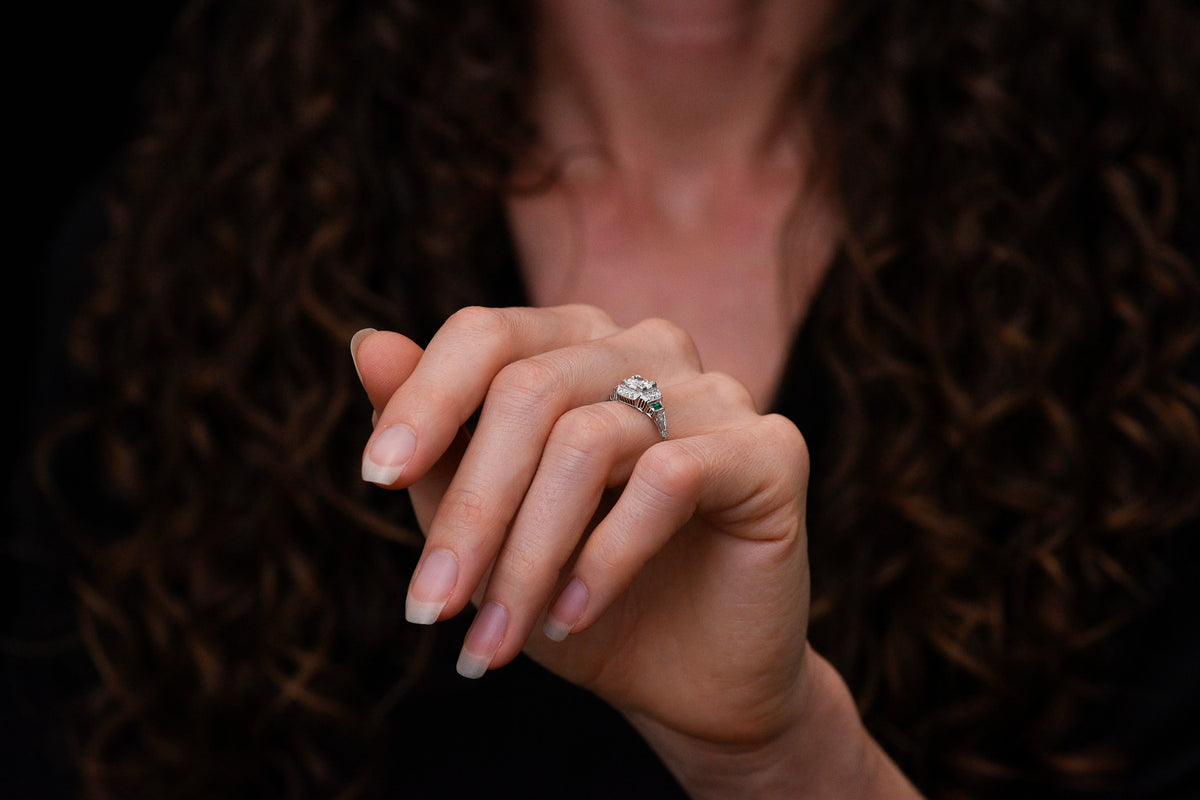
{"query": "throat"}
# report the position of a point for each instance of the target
(727, 266)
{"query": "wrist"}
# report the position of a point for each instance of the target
(823, 751)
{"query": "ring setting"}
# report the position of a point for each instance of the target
(644, 395)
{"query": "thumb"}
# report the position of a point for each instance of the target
(384, 361)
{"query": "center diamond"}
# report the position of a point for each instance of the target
(645, 396)
(640, 384)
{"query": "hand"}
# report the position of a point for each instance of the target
(687, 603)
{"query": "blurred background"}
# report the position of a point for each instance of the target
(75, 71)
(83, 65)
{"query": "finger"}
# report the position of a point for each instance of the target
(589, 449)
(582, 453)
(748, 481)
(428, 492)
(524, 402)
(383, 360)
(449, 383)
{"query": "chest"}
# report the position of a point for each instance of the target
(737, 273)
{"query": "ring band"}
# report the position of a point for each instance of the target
(644, 395)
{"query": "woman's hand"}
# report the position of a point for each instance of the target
(668, 577)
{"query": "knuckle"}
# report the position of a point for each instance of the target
(487, 323)
(780, 432)
(524, 386)
(583, 433)
(727, 390)
(518, 567)
(607, 555)
(428, 392)
(598, 319)
(672, 472)
(464, 508)
(675, 338)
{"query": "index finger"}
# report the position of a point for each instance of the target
(452, 378)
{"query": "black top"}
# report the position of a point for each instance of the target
(519, 731)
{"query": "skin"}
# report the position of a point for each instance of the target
(689, 158)
(676, 571)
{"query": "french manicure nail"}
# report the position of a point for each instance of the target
(483, 640)
(388, 452)
(567, 611)
(355, 341)
(431, 587)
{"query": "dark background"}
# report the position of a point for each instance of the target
(85, 62)
(76, 83)
(75, 74)
(74, 77)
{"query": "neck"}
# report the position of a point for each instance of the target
(672, 85)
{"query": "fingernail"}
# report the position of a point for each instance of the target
(567, 611)
(355, 341)
(389, 450)
(483, 640)
(431, 587)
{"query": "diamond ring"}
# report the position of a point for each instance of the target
(644, 395)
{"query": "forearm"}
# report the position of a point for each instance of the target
(826, 754)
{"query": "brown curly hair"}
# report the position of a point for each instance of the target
(1008, 330)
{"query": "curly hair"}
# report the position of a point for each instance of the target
(1009, 329)
(1013, 334)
